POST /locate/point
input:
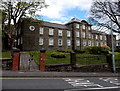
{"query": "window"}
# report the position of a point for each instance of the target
(68, 33)
(92, 43)
(89, 35)
(92, 36)
(60, 42)
(101, 43)
(51, 41)
(19, 41)
(83, 34)
(100, 37)
(68, 42)
(32, 28)
(59, 32)
(96, 36)
(77, 25)
(89, 43)
(83, 26)
(84, 43)
(51, 31)
(89, 28)
(40, 41)
(41, 30)
(77, 34)
(105, 38)
(105, 43)
(97, 44)
(77, 43)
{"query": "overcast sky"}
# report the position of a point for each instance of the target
(62, 11)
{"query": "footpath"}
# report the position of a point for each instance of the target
(56, 74)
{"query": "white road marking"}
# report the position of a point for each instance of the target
(81, 82)
(111, 80)
(92, 88)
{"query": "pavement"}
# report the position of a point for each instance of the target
(56, 74)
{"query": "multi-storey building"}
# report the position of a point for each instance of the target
(76, 34)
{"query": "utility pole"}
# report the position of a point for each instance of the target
(113, 55)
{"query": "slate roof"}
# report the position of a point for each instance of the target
(74, 20)
(97, 32)
(55, 25)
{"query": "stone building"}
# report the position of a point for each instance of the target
(76, 34)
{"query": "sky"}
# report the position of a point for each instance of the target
(62, 11)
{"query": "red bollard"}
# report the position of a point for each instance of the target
(42, 60)
(16, 60)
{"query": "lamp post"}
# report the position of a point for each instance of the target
(113, 55)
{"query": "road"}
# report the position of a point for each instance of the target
(61, 84)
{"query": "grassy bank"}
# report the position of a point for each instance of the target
(82, 61)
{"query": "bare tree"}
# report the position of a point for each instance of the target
(14, 11)
(104, 12)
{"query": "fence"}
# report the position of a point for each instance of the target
(56, 62)
(90, 60)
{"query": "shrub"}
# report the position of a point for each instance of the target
(79, 51)
(97, 50)
(58, 55)
(65, 51)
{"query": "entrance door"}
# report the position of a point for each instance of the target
(27, 63)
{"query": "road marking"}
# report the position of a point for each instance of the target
(92, 88)
(111, 80)
(81, 82)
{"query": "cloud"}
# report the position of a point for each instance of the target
(57, 9)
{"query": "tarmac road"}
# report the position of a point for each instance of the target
(61, 84)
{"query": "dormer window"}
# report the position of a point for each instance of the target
(83, 26)
(77, 26)
(89, 28)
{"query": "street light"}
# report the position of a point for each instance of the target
(113, 55)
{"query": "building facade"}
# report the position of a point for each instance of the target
(76, 34)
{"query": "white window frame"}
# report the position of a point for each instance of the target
(51, 31)
(60, 42)
(101, 43)
(18, 41)
(51, 41)
(77, 26)
(97, 43)
(105, 37)
(68, 33)
(21, 40)
(40, 41)
(101, 37)
(68, 42)
(83, 26)
(89, 35)
(77, 42)
(83, 34)
(41, 30)
(77, 34)
(89, 28)
(89, 43)
(92, 43)
(96, 36)
(105, 43)
(92, 36)
(60, 32)
(84, 42)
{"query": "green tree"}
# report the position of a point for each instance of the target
(13, 11)
(103, 12)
